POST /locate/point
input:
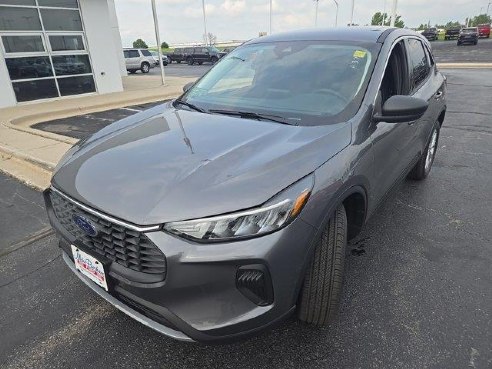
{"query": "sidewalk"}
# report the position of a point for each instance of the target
(31, 155)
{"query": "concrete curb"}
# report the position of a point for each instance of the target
(28, 158)
(464, 65)
(24, 123)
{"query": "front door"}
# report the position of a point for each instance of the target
(393, 143)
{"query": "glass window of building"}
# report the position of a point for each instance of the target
(45, 49)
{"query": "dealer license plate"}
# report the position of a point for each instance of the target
(90, 267)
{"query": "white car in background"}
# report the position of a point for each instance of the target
(155, 55)
(138, 59)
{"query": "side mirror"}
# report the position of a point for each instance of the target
(188, 86)
(401, 108)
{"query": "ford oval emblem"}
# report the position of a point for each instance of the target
(85, 225)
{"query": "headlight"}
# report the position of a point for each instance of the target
(273, 215)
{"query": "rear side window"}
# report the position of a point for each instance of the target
(126, 53)
(145, 52)
(418, 62)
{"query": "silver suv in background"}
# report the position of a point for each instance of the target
(138, 59)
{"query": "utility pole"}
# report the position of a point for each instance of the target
(205, 23)
(316, 14)
(488, 5)
(158, 39)
(352, 14)
(271, 1)
(384, 13)
(336, 14)
(393, 13)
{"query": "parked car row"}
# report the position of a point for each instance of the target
(462, 34)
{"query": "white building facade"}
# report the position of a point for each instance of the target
(54, 49)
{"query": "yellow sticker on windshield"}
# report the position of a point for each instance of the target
(359, 54)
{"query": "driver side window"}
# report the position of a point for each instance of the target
(395, 80)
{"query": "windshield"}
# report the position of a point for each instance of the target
(303, 82)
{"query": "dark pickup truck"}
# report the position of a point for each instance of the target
(452, 33)
(431, 34)
(196, 54)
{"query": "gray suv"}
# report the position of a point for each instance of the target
(228, 209)
(138, 59)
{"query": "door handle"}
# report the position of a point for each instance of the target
(438, 94)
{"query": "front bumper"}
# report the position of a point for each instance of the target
(199, 300)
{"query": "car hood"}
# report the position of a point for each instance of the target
(166, 164)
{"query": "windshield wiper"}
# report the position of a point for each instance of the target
(251, 115)
(191, 106)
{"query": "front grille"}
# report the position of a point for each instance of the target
(122, 245)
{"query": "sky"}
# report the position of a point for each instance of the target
(181, 21)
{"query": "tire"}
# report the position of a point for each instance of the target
(132, 71)
(458, 43)
(165, 63)
(320, 295)
(423, 167)
(190, 61)
(145, 67)
(178, 61)
(214, 59)
(200, 63)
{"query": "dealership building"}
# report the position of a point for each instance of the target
(55, 49)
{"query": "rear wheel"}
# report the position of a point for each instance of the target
(190, 60)
(132, 71)
(422, 168)
(145, 67)
(320, 295)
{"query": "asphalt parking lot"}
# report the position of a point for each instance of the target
(449, 52)
(417, 293)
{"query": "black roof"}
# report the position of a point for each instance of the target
(364, 34)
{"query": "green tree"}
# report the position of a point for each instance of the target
(140, 44)
(377, 20)
(164, 45)
(452, 25)
(481, 19)
(422, 27)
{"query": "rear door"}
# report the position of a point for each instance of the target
(133, 59)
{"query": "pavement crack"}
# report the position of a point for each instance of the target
(31, 272)
(471, 130)
(468, 112)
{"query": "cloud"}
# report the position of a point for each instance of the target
(180, 20)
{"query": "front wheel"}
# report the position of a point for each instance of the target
(422, 168)
(321, 291)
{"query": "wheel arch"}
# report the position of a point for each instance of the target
(353, 196)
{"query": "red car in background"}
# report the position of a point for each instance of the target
(484, 30)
